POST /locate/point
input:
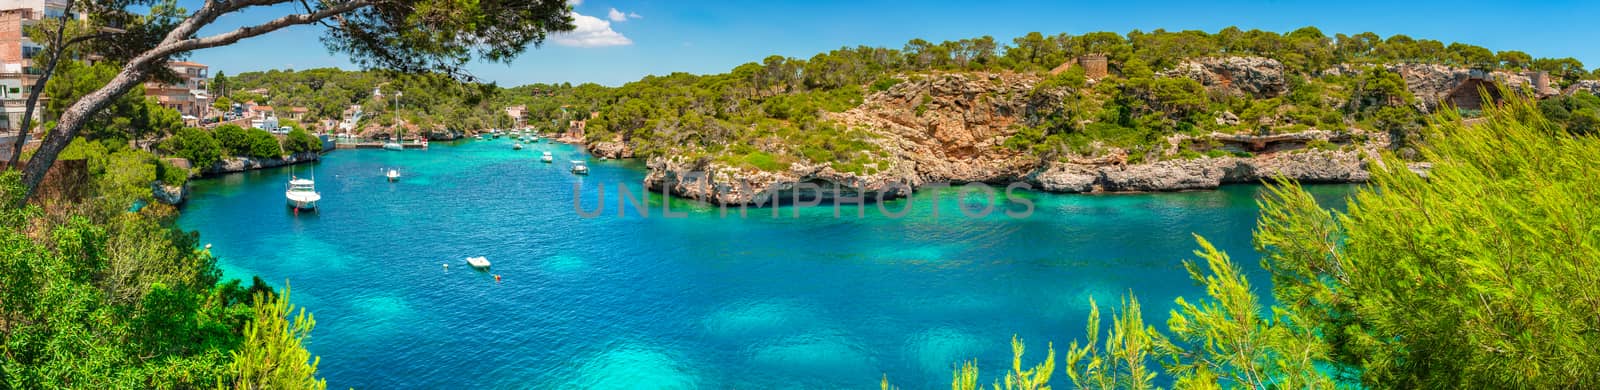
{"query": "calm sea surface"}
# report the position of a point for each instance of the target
(703, 301)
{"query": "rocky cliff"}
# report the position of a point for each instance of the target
(615, 148)
(950, 128)
(1238, 76)
(1590, 86)
(169, 194)
(1432, 84)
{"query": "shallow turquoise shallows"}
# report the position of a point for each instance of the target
(704, 301)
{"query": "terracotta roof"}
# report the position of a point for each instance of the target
(261, 108)
(188, 64)
(299, 109)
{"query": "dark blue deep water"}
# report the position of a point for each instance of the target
(699, 302)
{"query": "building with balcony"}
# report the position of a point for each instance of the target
(187, 94)
(517, 113)
(17, 74)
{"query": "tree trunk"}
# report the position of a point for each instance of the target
(73, 120)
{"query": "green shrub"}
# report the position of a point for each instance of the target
(233, 139)
(300, 141)
(196, 145)
(263, 144)
(885, 83)
(764, 161)
(171, 175)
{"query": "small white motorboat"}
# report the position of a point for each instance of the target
(547, 157)
(579, 168)
(478, 262)
(393, 174)
(516, 146)
(302, 194)
(393, 146)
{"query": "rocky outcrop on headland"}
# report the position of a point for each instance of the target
(169, 194)
(241, 164)
(951, 128)
(616, 148)
(721, 184)
(1432, 84)
(1590, 86)
(443, 135)
(1238, 76)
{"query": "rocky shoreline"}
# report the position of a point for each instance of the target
(241, 164)
(720, 184)
(175, 195)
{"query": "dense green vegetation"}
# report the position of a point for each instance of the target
(765, 111)
(769, 115)
(432, 101)
(95, 296)
(1474, 277)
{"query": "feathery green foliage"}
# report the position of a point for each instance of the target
(272, 355)
(1478, 275)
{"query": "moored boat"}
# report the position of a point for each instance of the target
(302, 194)
(547, 157)
(478, 262)
(579, 167)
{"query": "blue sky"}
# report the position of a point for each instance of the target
(643, 37)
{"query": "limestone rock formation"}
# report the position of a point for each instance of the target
(1590, 86)
(1433, 84)
(616, 148)
(1254, 76)
(950, 128)
(169, 194)
(241, 164)
(1310, 166)
(958, 131)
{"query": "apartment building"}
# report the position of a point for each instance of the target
(187, 94)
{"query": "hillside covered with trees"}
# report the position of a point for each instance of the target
(430, 101)
(770, 114)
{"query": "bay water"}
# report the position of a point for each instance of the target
(706, 300)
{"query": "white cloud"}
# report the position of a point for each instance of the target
(590, 32)
(619, 16)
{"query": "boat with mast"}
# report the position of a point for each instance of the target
(302, 193)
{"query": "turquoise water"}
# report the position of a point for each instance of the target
(699, 302)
